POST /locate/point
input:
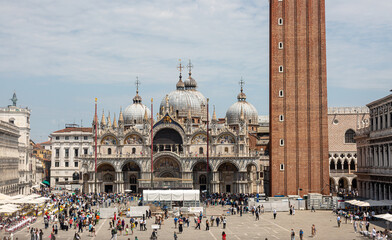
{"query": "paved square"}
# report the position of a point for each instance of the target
(244, 227)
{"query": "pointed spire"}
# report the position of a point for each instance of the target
(121, 117)
(109, 121)
(114, 121)
(103, 119)
(214, 115)
(145, 115)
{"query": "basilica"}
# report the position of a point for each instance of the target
(173, 147)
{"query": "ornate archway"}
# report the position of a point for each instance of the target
(200, 178)
(167, 167)
(228, 177)
(131, 175)
(168, 139)
(106, 177)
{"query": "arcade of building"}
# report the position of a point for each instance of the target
(179, 146)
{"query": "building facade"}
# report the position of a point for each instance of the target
(298, 98)
(9, 158)
(178, 140)
(374, 147)
(20, 117)
(68, 145)
(343, 123)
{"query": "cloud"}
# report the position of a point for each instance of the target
(59, 55)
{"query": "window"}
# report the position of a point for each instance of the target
(202, 179)
(280, 21)
(66, 179)
(133, 150)
(280, 93)
(57, 138)
(281, 167)
(66, 152)
(280, 68)
(226, 149)
(76, 150)
(109, 151)
(85, 151)
(76, 138)
(132, 179)
(11, 120)
(281, 142)
(280, 45)
(67, 164)
(76, 164)
(281, 118)
(66, 138)
(349, 136)
(201, 150)
(85, 138)
(57, 164)
(57, 152)
(57, 179)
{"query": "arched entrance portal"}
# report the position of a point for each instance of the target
(131, 174)
(168, 139)
(200, 177)
(228, 174)
(106, 177)
(167, 167)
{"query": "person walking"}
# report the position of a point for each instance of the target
(274, 213)
(257, 215)
(207, 225)
(224, 222)
(313, 230)
(217, 221)
(338, 221)
(175, 222)
(198, 224)
(212, 221)
(355, 226)
(292, 234)
(301, 234)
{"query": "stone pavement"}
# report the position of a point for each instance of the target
(244, 227)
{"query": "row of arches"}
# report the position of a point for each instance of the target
(168, 136)
(10, 189)
(168, 168)
(343, 184)
(342, 164)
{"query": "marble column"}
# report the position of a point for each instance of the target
(379, 191)
(385, 192)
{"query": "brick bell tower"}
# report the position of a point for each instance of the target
(298, 98)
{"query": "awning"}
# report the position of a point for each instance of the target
(46, 183)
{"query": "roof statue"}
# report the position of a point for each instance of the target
(14, 100)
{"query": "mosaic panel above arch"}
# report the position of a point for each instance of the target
(133, 139)
(225, 139)
(199, 138)
(109, 140)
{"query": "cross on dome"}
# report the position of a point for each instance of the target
(190, 66)
(137, 83)
(242, 83)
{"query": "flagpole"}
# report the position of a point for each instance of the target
(95, 151)
(208, 150)
(152, 141)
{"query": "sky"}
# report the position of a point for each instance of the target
(59, 55)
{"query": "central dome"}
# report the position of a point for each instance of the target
(182, 101)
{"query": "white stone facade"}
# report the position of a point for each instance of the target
(374, 144)
(67, 145)
(20, 117)
(9, 158)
